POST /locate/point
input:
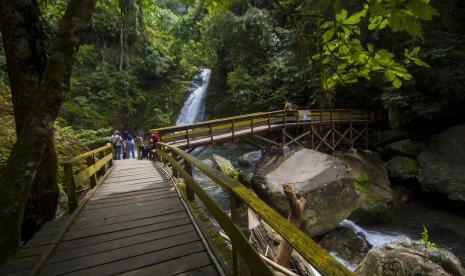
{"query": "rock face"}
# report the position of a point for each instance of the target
(322, 180)
(375, 196)
(249, 159)
(402, 168)
(403, 148)
(442, 164)
(347, 244)
(388, 136)
(409, 258)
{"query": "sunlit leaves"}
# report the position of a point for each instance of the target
(344, 59)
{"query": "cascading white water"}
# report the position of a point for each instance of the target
(194, 108)
(375, 238)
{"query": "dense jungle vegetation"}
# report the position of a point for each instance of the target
(136, 59)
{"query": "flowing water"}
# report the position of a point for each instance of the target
(193, 109)
(446, 229)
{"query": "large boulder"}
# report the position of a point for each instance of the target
(402, 168)
(322, 180)
(346, 244)
(371, 181)
(442, 164)
(388, 136)
(408, 257)
(250, 159)
(404, 147)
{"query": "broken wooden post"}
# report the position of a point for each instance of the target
(296, 203)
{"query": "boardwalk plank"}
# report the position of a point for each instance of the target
(81, 232)
(137, 214)
(119, 243)
(123, 234)
(202, 271)
(134, 222)
(142, 260)
(175, 266)
(118, 254)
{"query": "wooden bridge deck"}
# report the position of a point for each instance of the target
(133, 224)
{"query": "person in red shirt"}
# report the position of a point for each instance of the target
(155, 138)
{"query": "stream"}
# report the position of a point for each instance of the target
(445, 228)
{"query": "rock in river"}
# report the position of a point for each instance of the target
(375, 196)
(442, 164)
(406, 257)
(322, 180)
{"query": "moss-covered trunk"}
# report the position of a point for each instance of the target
(26, 38)
(34, 137)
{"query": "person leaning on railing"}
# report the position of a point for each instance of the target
(152, 139)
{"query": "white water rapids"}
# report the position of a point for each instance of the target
(194, 108)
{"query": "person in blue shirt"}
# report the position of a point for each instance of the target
(130, 145)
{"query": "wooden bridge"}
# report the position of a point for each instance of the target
(320, 129)
(150, 217)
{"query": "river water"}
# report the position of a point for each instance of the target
(445, 228)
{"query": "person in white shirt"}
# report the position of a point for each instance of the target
(116, 142)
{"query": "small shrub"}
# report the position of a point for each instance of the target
(425, 238)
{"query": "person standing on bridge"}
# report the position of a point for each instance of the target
(130, 145)
(116, 142)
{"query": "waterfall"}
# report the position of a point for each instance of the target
(194, 108)
(375, 238)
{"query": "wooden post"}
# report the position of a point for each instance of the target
(187, 137)
(239, 216)
(351, 130)
(284, 251)
(251, 125)
(110, 151)
(211, 133)
(90, 163)
(321, 121)
(189, 191)
(332, 130)
(284, 118)
(165, 162)
(175, 156)
(366, 131)
(70, 186)
(232, 130)
(269, 122)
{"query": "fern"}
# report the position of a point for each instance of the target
(425, 238)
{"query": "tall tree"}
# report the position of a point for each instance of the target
(26, 40)
(37, 128)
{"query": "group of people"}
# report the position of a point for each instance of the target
(125, 146)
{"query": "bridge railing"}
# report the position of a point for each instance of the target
(247, 124)
(240, 196)
(87, 168)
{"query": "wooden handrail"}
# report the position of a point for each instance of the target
(87, 154)
(72, 180)
(277, 118)
(310, 251)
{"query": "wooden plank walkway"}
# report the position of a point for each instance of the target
(133, 224)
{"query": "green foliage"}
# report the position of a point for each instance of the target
(343, 56)
(425, 238)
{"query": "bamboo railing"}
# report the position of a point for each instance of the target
(89, 173)
(240, 197)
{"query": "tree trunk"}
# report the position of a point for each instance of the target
(284, 252)
(22, 166)
(26, 39)
(121, 42)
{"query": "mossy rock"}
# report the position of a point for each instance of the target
(402, 168)
(225, 166)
